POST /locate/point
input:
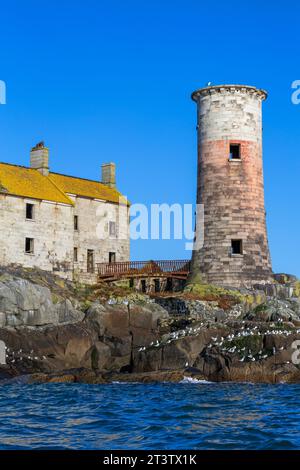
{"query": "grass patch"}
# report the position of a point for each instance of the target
(297, 289)
(225, 298)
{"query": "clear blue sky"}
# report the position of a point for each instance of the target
(111, 81)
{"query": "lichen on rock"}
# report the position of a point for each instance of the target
(61, 332)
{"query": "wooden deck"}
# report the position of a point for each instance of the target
(178, 269)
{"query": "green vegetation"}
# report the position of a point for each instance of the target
(261, 308)
(297, 288)
(226, 298)
(253, 343)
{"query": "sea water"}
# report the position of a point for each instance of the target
(187, 415)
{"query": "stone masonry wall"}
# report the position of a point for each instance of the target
(51, 229)
(55, 238)
(93, 234)
(232, 191)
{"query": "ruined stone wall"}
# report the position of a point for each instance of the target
(232, 191)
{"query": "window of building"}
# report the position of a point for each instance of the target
(236, 247)
(30, 211)
(76, 225)
(75, 254)
(112, 229)
(131, 283)
(112, 257)
(156, 285)
(29, 245)
(90, 261)
(235, 152)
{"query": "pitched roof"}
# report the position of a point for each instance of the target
(85, 188)
(28, 182)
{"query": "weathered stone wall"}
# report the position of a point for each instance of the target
(231, 191)
(51, 229)
(55, 238)
(93, 233)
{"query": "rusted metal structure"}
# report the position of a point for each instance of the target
(178, 269)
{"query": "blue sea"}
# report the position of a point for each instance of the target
(142, 416)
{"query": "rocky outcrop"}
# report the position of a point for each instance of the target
(47, 349)
(67, 313)
(23, 303)
(121, 329)
(94, 377)
(206, 310)
(132, 337)
(44, 336)
(174, 351)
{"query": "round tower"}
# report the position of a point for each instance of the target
(230, 187)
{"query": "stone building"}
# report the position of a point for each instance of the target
(61, 223)
(230, 187)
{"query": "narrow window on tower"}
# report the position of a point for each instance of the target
(236, 247)
(76, 222)
(75, 254)
(235, 152)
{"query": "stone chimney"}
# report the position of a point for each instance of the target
(39, 158)
(109, 174)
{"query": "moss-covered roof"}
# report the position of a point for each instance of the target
(85, 188)
(28, 182)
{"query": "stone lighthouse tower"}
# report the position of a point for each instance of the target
(230, 187)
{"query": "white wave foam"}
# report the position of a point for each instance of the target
(124, 382)
(191, 380)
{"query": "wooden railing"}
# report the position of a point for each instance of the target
(144, 268)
